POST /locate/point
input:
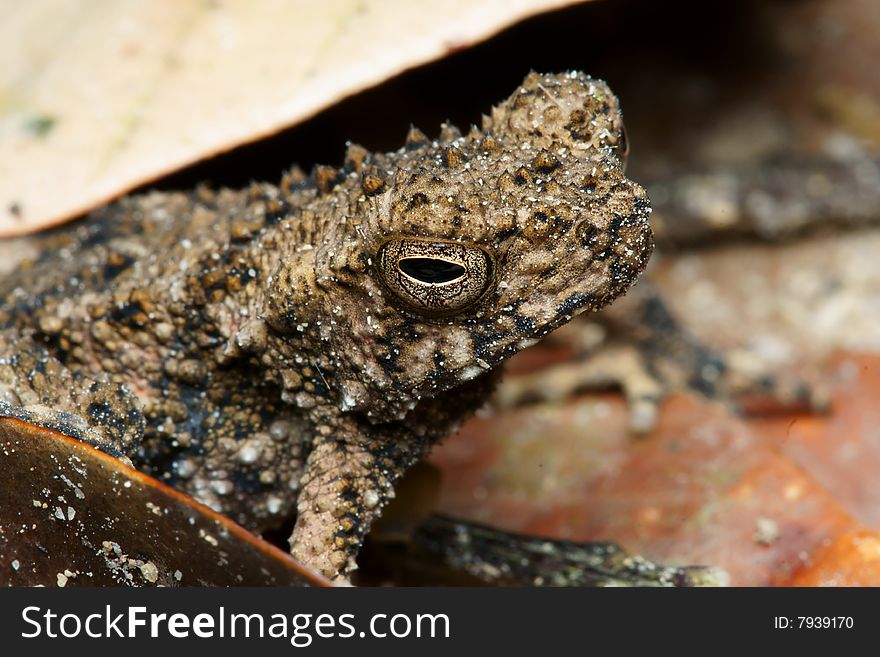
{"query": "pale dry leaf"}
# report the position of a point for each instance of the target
(97, 97)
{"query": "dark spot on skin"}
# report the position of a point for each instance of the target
(484, 343)
(40, 366)
(524, 324)
(586, 233)
(350, 536)
(573, 303)
(115, 265)
(128, 313)
(390, 361)
(348, 493)
(508, 232)
(417, 200)
(15, 210)
(621, 271)
(56, 344)
(578, 125)
(545, 163)
(100, 412)
(522, 177)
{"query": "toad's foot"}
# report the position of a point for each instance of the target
(349, 477)
(618, 366)
(649, 355)
(502, 558)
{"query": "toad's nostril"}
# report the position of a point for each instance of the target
(586, 233)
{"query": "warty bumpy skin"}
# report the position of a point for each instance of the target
(297, 347)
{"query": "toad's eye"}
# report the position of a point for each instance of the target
(435, 278)
(431, 270)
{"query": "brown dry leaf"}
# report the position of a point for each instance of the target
(76, 516)
(772, 501)
(99, 97)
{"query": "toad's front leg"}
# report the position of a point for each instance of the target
(37, 388)
(354, 464)
(349, 477)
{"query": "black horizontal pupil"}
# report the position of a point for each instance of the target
(431, 270)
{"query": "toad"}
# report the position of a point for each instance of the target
(294, 348)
